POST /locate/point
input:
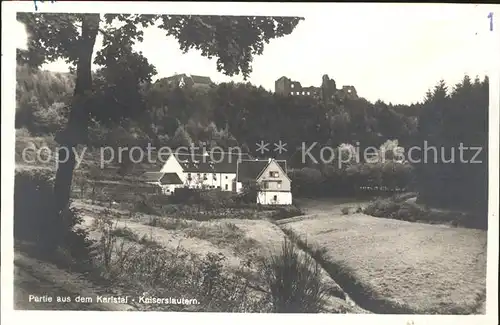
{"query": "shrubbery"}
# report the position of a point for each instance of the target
(356, 179)
(145, 266)
(295, 281)
(30, 146)
(51, 119)
(345, 211)
(33, 201)
(284, 212)
(36, 221)
(401, 209)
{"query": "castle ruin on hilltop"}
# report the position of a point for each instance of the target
(327, 91)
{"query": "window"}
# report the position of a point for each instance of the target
(293, 85)
(266, 185)
(273, 174)
(303, 93)
(279, 184)
(205, 176)
(275, 198)
(226, 186)
(308, 93)
(226, 176)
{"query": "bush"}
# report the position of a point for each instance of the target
(249, 192)
(184, 195)
(398, 208)
(382, 208)
(34, 144)
(35, 219)
(157, 200)
(126, 233)
(345, 211)
(23, 133)
(306, 181)
(216, 199)
(207, 199)
(143, 206)
(285, 212)
(51, 119)
(294, 282)
(33, 202)
(169, 224)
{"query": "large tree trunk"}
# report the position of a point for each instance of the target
(76, 130)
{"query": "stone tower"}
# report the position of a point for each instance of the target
(328, 88)
(282, 86)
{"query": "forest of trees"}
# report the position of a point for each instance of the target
(227, 114)
(231, 114)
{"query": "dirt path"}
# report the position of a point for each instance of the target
(172, 239)
(37, 278)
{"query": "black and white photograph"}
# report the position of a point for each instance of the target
(270, 158)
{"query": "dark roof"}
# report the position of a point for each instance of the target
(176, 77)
(152, 176)
(163, 178)
(282, 164)
(170, 178)
(201, 79)
(214, 163)
(251, 169)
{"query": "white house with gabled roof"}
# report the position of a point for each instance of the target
(274, 185)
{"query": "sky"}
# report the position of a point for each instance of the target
(392, 52)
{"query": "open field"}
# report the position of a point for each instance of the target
(396, 266)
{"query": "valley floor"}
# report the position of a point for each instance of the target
(384, 265)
